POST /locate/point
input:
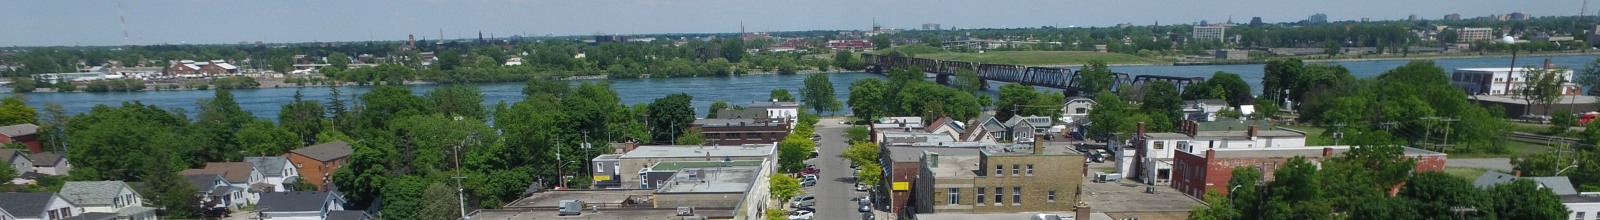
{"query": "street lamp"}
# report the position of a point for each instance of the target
(1513, 44)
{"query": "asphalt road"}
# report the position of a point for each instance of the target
(835, 191)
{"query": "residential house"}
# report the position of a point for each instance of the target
(776, 109)
(1582, 206)
(6, 215)
(38, 206)
(984, 129)
(114, 197)
(239, 174)
(215, 191)
(50, 164)
(900, 123)
(349, 215)
(1194, 173)
(946, 126)
(277, 170)
(1023, 129)
(18, 159)
(309, 205)
(1077, 107)
(27, 134)
(1204, 109)
(318, 162)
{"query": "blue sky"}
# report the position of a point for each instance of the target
(89, 22)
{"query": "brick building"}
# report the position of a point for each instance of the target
(27, 134)
(901, 165)
(318, 162)
(1194, 174)
(738, 131)
(1001, 178)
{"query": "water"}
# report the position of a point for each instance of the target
(734, 90)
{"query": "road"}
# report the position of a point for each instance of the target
(835, 191)
(1498, 164)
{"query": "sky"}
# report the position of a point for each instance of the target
(97, 22)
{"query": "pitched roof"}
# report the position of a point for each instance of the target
(299, 201)
(19, 130)
(269, 166)
(93, 192)
(7, 154)
(26, 205)
(45, 159)
(237, 172)
(348, 215)
(326, 151)
(202, 182)
(1558, 184)
(941, 122)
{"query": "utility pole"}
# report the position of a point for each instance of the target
(586, 161)
(461, 194)
(1338, 133)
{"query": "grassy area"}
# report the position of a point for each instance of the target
(1041, 57)
(1313, 135)
(1468, 173)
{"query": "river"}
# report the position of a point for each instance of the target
(738, 90)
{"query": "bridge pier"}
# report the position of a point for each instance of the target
(983, 85)
(942, 79)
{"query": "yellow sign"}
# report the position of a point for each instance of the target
(902, 186)
(602, 178)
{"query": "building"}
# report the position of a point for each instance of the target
(1318, 18)
(318, 162)
(1023, 178)
(48, 163)
(1495, 81)
(312, 205)
(1228, 54)
(1077, 107)
(738, 131)
(1413, 17)
(6, 215)
(18, 159)
(636, 160)
(902, 165)
(26, 133)
(946, 126)
(930, 27)
(1017, 215)
(38, 206)
(1518, 16)
(607, 167)
(1452, 17)
(190, 68)
(241, 175)
(1204, 109)
(724, 186)
(1210, 32)
(1582, 206)
(775, 109)
(1153, 153)
(1023, 129)
(277, 170)
(215, 191)
(1517, 106)
(898, 123)
(848, 44)
(114, 197)
(1579, 204)
(1197, 172)
(1474, 34)
(659, 174)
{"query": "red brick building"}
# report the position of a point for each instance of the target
(901, 166)
(27, 134)
(1195, 174)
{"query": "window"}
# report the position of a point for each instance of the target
(1016, 195)
(1016, 169)
(1184, 146)
(999, 170)
(1081, 111)
(1030, 169)
(1578, 216)
(998, 195)
(1158, 144)
(980, 196)
(955, 196)
(599, 167)
(713, 136)
(1052, 197)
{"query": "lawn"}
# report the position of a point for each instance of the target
(1313, 135)
(1468, 173)
(1041, 57)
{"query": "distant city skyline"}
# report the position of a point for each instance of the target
(99, 23)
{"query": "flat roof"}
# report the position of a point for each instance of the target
(1580, 199)
(1308, 151)
(735, 122)
(916, 136)
(670, 151)
(715, 180)
(914, 154)
(554, 197)
(677, 165)
(1246, 133)
(1165, 135)
(1498, 69)
(603, 213)
(608, 157)
(1581, 99)
(1049, 148)
(1006, 216)
(956, 167)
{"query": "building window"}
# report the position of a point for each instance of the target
(1158, 144)
(714, 136)
(1052, 197)
(955, 196)
(999, 195)
(980, 196)
(1016, 195)
(1030, 169)
(1579, 216)
(999, 170)
(1081, 111)
(1016, 169)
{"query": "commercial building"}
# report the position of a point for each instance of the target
(1153, 154)
(901, 167)
(1495, 81)
(1318, 18)
(1467, 35)
(1201, 171)
(1228, 54)
(737, 131)
(1001, 178)
(1517, 106)
(633, 162)
(190, 68)
(1452, 17)
(930, 27)
(1210, 32)
(713, 186)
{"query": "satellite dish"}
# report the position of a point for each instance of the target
(1508, 39)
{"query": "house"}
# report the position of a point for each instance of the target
(1153, 153)
(985, 129)
(40, 206)
(27, 134)
(50, 164)
(776, 109)
(215, 191)
(239, 174)
(1077, 107)
(349, 215)
(1022, 129)
(318, 162)
(1197, 172)
(946, 126)
(1582, 205)
(1204, 109)
(1558, 184)
(309, 205)
(114, 197)
(902, 123)
(18, 159)
(6, 215)
(278, 172)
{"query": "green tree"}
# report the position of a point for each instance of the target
(1525, 199)
(364, 177)
(6, 173)
(718, 105)
(1109, 113)
(1162, 97)
(857, 134)
(338, 61)
(782, 95)
(819, 93)
(867, 98)
(1561, 121)
(1543, 87)
(402, 197)
(1280, 76)
(775, 214)
(843, 59)
(458, 100)
(1014, 98)
(304, 118)
(545, 86)
(262, 138)
(793, 152)
(783, 187)
(1437, 193)
(121, 143)
(1095, 77)
(1219, 208)
(437, 203)
(1295, 193)
(968, 81)
(13, 110)
(880, 41)
(669, 116)
(871, 174)
(1265, 109)
(862, 153)
(23, 85)
(1245, 193)
(691, 137)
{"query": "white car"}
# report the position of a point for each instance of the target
(800, 215)
(860, 187)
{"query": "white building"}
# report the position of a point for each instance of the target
(1582, 206)
(775, 109)
(1203, 110)
(1468, 35)
(1152, 153)
(40, 206)
(113, 197)
(276, 170)
(1493, 81)
(1210, 32)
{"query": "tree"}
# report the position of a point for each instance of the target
(669, 116)
(437, 202)
(545, 86)
(871, 174)
(862, 153)
(1542, 86)
(782, 95)
(793, 152)
(968, 81)
(363, 179)
(1437, 193)
(458, 101)
(262, 138)
(121, 143)
(867, 98)
(1109, 113)
(819, 93)
(402, 197)
(304, 118)
(843, 59)
(783, 187)
(1013, 99)
(1219, 209)
(338, 61)
(1096, 77)
(1265, 109)
(1561, 121)
(1246, 186)
(880, 41)
(857, 134)
(1525, 199)
(718, 105)
(1280, 76)
(1296, 193)
(691, 137)
(13, 110)
(23, 85)
(7, 173)
(1162, 97)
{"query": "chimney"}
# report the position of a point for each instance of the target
(933, 160)
(1083, 210)
(1252, 132)
(1038, 144)
(1211, 153)
(1140, 129)
(1327, 152)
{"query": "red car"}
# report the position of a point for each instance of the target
(809, 171)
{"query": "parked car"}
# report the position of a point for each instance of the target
(809, 171)
(808, 182)
(798, 200)
(864, 204)
(1536, 118)
(861, 187)
(816, 137)
(868, 216)
(800, 215)
(805, 208)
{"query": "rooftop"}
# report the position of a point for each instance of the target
(914, 154)
(915, 136)
(302, 201)
(1497, 69)
(670, 151)
(1231, 124)
(93, 192)
(608, 157)
(605, 214)
(1014, 215)
(1558, 184)
(45, 159)
(269, 166)
(677, 165)
(711, 180)
(1580, 199)
(1049, 148)
(1165, 135)
(767, 104)
(957, 167)
(1308, 151)
(553, 198)
(326, 151)
(1519, 100)
(19, 130)
(25, 205)
(735, 122)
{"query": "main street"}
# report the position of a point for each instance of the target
(835, 190)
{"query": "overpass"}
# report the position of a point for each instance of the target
(1049, 77)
